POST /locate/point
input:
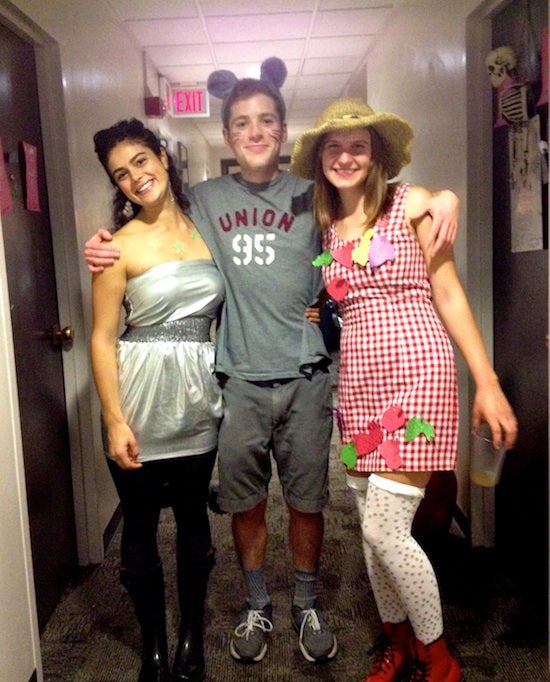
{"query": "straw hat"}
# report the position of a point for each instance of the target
(347, 113)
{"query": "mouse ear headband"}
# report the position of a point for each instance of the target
(226, 86)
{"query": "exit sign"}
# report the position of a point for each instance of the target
(189, 102)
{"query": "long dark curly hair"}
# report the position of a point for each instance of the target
(134, 130)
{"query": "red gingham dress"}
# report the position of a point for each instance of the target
(394, 351)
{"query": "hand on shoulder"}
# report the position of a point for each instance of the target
(442, 207)
(417, 205)
(99, 251)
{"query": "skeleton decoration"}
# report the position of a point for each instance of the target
(501, 64)
(511, 96)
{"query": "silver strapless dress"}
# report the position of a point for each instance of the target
(170, 396)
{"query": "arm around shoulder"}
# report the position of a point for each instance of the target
(443, 207)
(99, 252)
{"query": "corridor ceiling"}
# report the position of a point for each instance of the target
(324, 44)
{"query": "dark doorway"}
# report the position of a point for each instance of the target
(38, 348)
(520, 283)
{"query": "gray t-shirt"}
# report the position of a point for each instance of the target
(263, 240)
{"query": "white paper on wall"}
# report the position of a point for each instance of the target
(525, 185)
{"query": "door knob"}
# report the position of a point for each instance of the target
(62, 337)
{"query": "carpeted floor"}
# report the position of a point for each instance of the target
(496, 631)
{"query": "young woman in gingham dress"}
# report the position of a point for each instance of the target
(397, 393)
(395, 350)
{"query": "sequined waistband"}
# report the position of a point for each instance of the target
(186, 329)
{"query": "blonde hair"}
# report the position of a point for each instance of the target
(377, 192)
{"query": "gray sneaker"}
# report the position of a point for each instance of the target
(317, 643)
(249, 640)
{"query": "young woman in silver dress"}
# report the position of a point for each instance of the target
(160, 400)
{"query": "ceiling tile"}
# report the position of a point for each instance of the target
(324, 65)
(132, 9)
(261, 7)
(255, 52)
(350, 22)
(168, 31)
(323, 43)
(329, 47)
(256, 27)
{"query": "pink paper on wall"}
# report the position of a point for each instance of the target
(6, 200)
(31, 176)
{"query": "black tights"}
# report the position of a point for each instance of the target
(180, 483)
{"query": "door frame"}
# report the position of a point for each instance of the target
(67, 258)
(20, 645)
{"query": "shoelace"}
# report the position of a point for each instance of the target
(311, 617)
(254, 619)
(384, 660)
(419, 674)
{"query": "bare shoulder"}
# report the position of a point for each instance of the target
(132, 229)
(418, 196)
(417, 204)
(131, 239)
(128, 240)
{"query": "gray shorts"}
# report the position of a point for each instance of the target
(290, 420)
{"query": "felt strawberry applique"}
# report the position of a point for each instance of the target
(324, 258)
(416, 426)
(391, 421)
(368, 441)
(389, 450)
(360, 253)
(338, 288)
(393, 418)
(381, 251)
(343, 255)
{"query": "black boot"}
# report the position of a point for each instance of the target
(192, 584)
(147, 593)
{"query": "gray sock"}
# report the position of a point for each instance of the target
(256, 588)
(304, 594)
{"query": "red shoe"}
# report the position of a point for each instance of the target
(397, 657)
(434, 663)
